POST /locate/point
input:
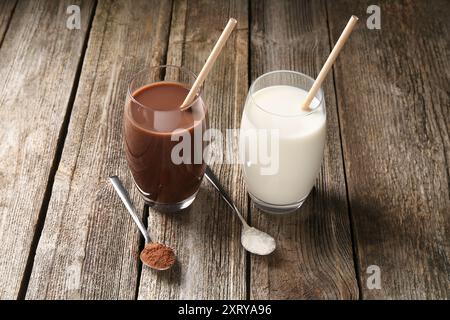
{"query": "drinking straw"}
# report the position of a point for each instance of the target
(329, 63)
(209, 63)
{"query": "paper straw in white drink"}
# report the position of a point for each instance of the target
(329, 63)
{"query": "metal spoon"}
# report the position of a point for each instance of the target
(123, 194)
(252, 239)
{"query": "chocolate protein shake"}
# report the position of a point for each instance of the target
(154, 127)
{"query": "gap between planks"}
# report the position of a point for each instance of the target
(146, 211)
(352, 223)
(56, 159)
(8, 23)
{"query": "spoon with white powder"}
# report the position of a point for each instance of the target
(252, 239)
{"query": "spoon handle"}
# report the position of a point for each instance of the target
(117, 184)
(215, 182)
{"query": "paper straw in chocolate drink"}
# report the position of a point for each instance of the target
(209, 63)
(329, 63)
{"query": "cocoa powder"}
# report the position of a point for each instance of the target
(158, 256)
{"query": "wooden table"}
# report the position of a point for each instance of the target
(382, 197)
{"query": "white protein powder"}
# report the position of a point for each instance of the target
(257, 242)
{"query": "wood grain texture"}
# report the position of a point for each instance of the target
(211, 262)
(39, 59)
(314, 258)
(6, 12)
(394, 107)
(89, 245)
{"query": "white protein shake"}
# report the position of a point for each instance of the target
(301, 141)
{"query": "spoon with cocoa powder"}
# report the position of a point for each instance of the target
(155, 255)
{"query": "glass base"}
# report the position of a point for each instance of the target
(170, 207)
(277, 208)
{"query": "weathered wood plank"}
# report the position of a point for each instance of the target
(394, 107)
(6, 11)
(89, 245)
(313, 259)
(38, 64)
(211, 261)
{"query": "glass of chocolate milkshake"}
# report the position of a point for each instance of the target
(164, 145)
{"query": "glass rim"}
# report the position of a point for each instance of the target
(183, 69)
(320, 92)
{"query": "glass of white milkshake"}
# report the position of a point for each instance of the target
(281, 146)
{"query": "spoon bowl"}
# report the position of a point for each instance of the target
(257, 241)
(166, 256)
